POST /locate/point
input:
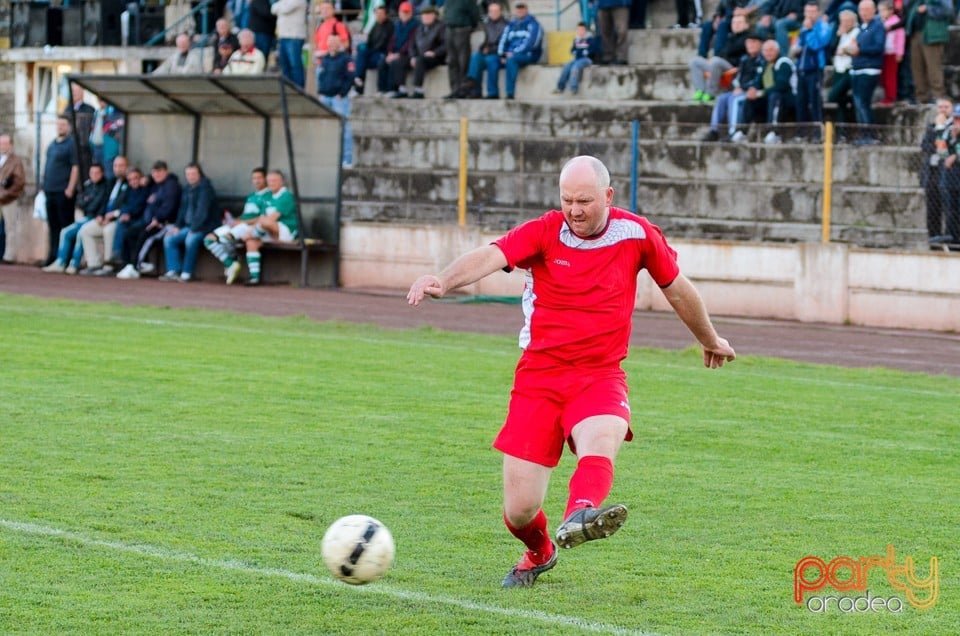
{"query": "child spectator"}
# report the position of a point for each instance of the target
(893, 50)
(584, 48)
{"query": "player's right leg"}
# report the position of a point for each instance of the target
(524, 488)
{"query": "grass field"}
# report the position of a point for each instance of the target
(170, 471)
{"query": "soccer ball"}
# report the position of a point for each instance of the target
(357, 549)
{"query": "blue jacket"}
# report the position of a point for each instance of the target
(871, 42)
(522, 36)
(134, 202)
(814, 43)
(613, 4)
(162, 201)
(336, 75)
(198, 207)
(586, 47)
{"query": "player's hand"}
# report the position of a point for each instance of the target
(427, 285)
(715, 356)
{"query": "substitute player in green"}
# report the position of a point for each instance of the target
(582, 263)
(221, 242)
(277, 222)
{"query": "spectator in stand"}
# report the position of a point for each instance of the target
(163, 200)
(811, 51)
(950, 185)
(893, 50)
(97, 236)
(220, 242)
(12, 182)
(248, 59)
(329, 25)
(90, 203)
(730, 105)
(428, 49)
(461, 18)
(291, 32)
(705, 75)
(934, 152)
(334, 80)
(928, 24)
(717, 29)
(398, 52)
(225, 51)
(486, 58)
(240, 10)
(374, 50)
(584, 48)
(61, 176)
(104, 137)
(263, 24)
(82, 115)
(689, 14)
(775, 91)
(520, 45)
(867, 52)
(847, 31)
(223, 33)
(198, 215)
(186, 61)
(782, 17)
(613, 24)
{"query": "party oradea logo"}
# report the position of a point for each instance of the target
(850, 576)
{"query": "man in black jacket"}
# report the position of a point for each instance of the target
(374, 50)
(264, 26)
(461, 17)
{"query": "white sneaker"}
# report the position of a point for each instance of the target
(185, 278)
(147, 268)
(771, 138)
(232, 272)
(128, 273)
(56, 267)
(738, 137)
(70, 270)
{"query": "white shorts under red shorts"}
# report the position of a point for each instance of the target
(546, 404)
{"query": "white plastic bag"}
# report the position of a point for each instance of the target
(40, 206)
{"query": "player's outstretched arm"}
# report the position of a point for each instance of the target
(467, 269)
(686, 301)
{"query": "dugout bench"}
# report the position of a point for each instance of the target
(230, 125)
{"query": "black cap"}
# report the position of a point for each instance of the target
(753, 35)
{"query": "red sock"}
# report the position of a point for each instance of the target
(590, 483)
(534, 536)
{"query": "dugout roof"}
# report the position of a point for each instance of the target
(230, 125)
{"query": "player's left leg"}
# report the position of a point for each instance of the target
(597, 440)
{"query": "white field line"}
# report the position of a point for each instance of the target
(513, 352)
(380, 588)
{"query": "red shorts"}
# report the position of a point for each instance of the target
(545, 405)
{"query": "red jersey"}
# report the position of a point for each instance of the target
(579, 295)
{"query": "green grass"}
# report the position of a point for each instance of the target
(172, 471)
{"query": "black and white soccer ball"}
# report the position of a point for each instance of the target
(357, 549)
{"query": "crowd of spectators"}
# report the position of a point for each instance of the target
(866, 44)
(758, 63)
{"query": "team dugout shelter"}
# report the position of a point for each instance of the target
(230, 125)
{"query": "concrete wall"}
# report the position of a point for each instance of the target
(810, 282)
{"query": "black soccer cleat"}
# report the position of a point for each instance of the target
(525, 573)
(587, 524)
